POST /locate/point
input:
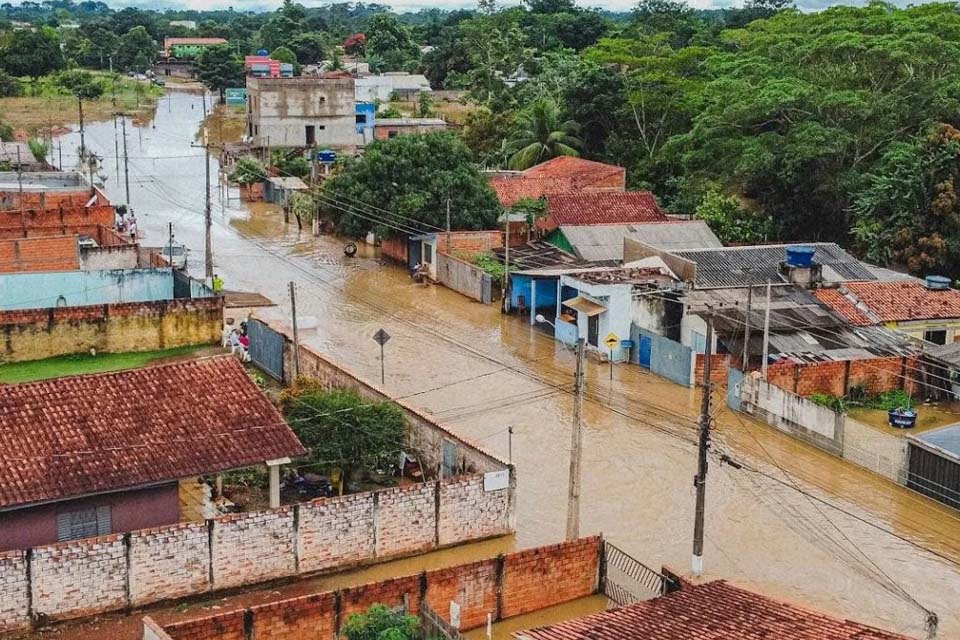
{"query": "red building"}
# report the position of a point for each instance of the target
(97, 454)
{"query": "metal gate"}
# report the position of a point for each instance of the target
(626, 580)
(643, 353)
(266, 348)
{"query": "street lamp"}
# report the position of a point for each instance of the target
(541, 320)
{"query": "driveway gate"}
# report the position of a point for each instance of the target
(266, 348)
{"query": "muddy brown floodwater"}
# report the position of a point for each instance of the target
(813, 529)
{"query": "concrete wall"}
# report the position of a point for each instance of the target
(35, 334)
(119, 256)
(95, 575)
(501, 587)
(41, 290)
(617, 298)
(385, 130)
(465, 278)
(281, 108)
(129, 510)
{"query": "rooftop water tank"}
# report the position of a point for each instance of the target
(937, 283)
(263, 52)
(800, 256)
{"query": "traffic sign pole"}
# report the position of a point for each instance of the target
(612, 340)
(381, 337)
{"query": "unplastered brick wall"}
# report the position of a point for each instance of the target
(836, 378)
(540, 578)
(55, 217)
(500, 588)
(14, 590)
(81, 578)
(336, 532)
(169, 562)
(35, 334)
(466, 510)
(406, 519)
(95, 575)
(254, 547)
(719, 364)
(59, 253)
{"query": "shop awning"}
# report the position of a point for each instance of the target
(582, 305)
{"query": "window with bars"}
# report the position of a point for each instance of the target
(83, 523)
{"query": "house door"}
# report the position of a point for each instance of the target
(311, 135)
(646, 342)
(593, 330)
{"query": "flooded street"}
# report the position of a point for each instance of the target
(888, 553)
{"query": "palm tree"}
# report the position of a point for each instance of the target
(542, 136)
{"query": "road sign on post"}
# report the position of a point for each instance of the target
(612, 341)
(381, 337)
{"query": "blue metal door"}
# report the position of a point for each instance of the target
(646, 344)
(266, 348)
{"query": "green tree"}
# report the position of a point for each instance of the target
(342, 430)
(31, 53)
(100, 44)
(9, 85)
(496, 49)
(730, 221)
(310, 48)
(84, 86)
(542, 134)
(137, 50)
(486, 134)
(390, 43)
(379, 622)
(284, 54)
(247, 171)
(219, 68)
(412, 177)
(283, 25)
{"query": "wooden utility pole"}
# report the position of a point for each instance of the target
(700, 480)
(576, 448)
(296, 331)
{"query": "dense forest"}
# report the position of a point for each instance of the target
(768, 122)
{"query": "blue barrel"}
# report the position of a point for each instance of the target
(902, 418)
(800, 256)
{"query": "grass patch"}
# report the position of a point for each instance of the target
(81, 363)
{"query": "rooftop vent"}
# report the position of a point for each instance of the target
(800, 256)
(936, 283)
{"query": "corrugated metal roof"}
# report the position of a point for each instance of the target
(743, 266)
(945, 439)
(605, 242)
(949, 353)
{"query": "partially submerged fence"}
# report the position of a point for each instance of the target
(831, 431)
(625, 580)
(465, 278)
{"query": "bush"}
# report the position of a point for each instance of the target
(892, 400)
(10, 86)
(248, 170)
(829, 401)
(381, 623)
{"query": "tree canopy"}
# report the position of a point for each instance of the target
(219, 68)
(412, 177)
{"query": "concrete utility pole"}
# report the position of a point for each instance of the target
(448, 226)
(296, 331)
(505, 285)
(83, 145)
(207, 217)
(766, 333)
(746, 330)
(20, 189)
(576, 448)
(126, 158)
(170, 254)
(116, 146)
(60, 154)
(700, 480)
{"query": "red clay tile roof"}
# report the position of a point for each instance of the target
(80, 435)
(712, 611)
(560, 175)
(900, 301)
(578, 209)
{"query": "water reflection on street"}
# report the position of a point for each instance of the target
(480, 372)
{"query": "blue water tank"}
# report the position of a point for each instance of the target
(263, 52)
(800, 256)
(937, 283)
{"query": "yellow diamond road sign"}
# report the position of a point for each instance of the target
(612, 341)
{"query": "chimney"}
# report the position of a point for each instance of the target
(800, 268)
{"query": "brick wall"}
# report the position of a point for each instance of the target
(876, 375)
(719, 363)
(470, 242)
(81, 578)
(474, 587)
(406, 519)
(467, 511)
(169, 562)
(14, 596)
(59, 253)
(34, 334)
(56, 219)
(540, 578)
(309, 617)
(502, 587)
(395, 249)
(336, 532)
(253, 547)
(221, 626)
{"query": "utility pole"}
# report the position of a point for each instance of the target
(766, 333)
(126, 158)
(296, 332)
(700, 480)
(207, 218)
(505, 285)
(60, 153)
(20, 190)
(83, 146)
(576, 447)
(448, 227)
(116, 147)
(746, 330)
(170, 253)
